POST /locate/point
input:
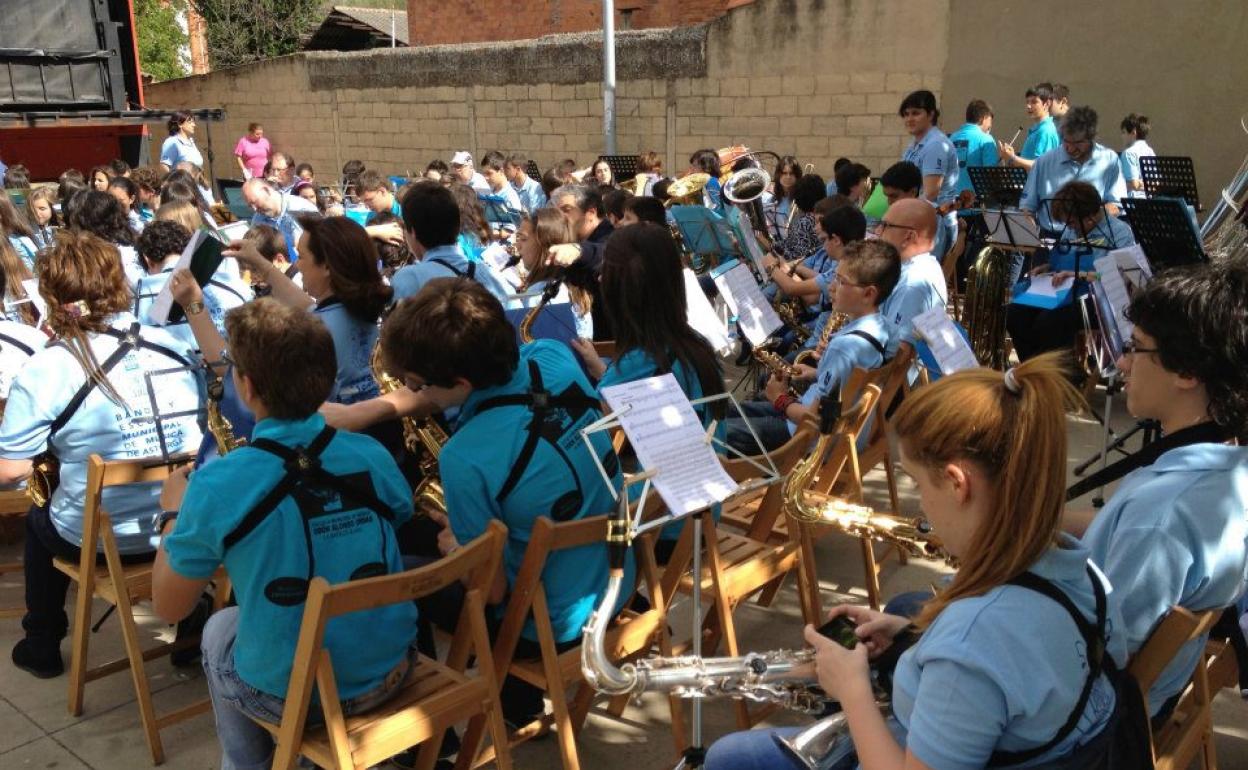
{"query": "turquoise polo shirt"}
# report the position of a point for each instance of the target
(561, 482)
(1175, 532)
(975, 148)
(1056, 168)
(921, 287)
(1041, 137)
(1003, 671)
(395, 209)
(365, 645)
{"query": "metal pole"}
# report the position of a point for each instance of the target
(393, 42)
(608, 76)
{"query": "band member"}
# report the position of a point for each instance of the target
(778, 202)
(707, 162)
(973, 142)
(901, 180)
(1135, 129)
(801, 240)
(910, 226)
(865, 275)
(1000, 665)
(1088, 234)
(516, 452)
(538, 232)
(1174, 531)
(838, 226)
(937, 160)
(336, 522)
(1042, 135)
(89, 394)
(1078, 158)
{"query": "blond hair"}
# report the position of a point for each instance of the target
(1015, 432)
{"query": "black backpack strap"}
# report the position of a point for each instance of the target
(879, 348)
(22, 346)
(1093, 637)
(439, 261)
(302, 464)
(539, 401)
(129, 340)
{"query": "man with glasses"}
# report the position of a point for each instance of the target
(1079, 158)
(864, 278)
(1174, 532)
(910, 226)
(281, 171)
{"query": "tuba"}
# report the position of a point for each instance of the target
(423, 438)
(985, 306)
(745, 188)
(1225, 232)
(687, 191)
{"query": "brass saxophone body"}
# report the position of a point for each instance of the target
(423, 438)
(835, 323)
(219, 426)
(549, 292)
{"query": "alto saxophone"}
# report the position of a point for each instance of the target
(219, 426)
(548, 295)
(836, 321)
(423, 438)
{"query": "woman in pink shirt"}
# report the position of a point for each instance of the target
(252, 152)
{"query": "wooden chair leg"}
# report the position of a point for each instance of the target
(80, 642)
(134, 652)
(768, 594)
(498, 734)
(584, 699)
(554, 685)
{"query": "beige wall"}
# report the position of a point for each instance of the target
(815, 78)
(1176, 62)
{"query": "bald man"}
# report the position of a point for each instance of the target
(910, 225)
(277, 209)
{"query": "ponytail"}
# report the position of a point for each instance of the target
(1013, 427)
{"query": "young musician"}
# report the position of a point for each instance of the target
(901, 180)
(1135, 130)
(528, 190)
(1000, 666)
(838, 224)
(538, 232)
(936, 158)
(1174, 531)
(512, 457)
(778, 202)
(910, 226)
(866, 273)
(973, 142)
(1042, 135)
(336, 522)
(87, 394)
(801, 240)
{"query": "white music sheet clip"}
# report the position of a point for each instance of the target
(710, 432)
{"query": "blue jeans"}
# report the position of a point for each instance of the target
(758, 750)
(772, 429)
(235, 704)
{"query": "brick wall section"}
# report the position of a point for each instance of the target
(433, 22)
(812, 78)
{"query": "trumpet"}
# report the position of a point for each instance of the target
(423, 438)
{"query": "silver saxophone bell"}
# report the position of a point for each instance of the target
(812, 746)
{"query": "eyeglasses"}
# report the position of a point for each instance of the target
(1131, 347)
(842, 280)
(882, 225)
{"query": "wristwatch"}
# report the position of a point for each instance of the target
(195, 308)
(163, 518)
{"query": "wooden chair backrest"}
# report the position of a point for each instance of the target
(863, 390)
(103, 473)
(1177, 628)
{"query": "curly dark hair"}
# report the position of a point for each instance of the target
(102, 214)
(160, 239)
(808, 191)
(1199, 319)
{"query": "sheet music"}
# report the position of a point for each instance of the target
(1011, 228)
(233, 231)
(668, 437)
(751, 246)
(1133, 265)
(702, 317)
(159, 312)
(755, 315)
(1111, 280)
(948, 346)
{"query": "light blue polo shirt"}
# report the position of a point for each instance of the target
(975, 148)
(286, 223)
(531, 195)
(1004, 670)
(1175, 532)
(224, 292)
(1055, 169)
(365, 645)
(920, 288)
(445, 262)
(934, 154)
(480, 454)
(354, 340)
(26, 249)
(847, 350)
(1108, 234)
(1041, 137)
(125, 431)
(13, 357)
(175, 149)
(1130, 159)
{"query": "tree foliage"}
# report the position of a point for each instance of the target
(161, 38)
(246, 31)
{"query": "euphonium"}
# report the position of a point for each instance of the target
(421, 437)
(687, 191)
(808, 507)
(221, 429)
(987, 300)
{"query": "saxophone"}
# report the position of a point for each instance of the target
(835, 323)
(423, 438)
(548, 294)
(218, 425)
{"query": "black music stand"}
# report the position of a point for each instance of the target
(1170, 176)
(535, 173)
(998, 186)
(1166, 231)
(623, 167)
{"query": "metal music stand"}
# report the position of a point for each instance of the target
(1170, 176)
(535, 173)
(623, 167)
(708, 237)
(998, 186)
(1166, 231)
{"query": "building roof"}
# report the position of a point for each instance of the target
(348, 28)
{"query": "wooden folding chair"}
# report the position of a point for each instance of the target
(13, 505)
(1188, 731)
(632, 635)
(894, 382)
(433, 697)
(121, 585)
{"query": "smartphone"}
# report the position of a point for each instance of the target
(840, 629)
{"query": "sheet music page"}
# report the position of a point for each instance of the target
(669, 438)
(702, 317)
(163, 303)
(233, 231)
(752, 247)
(948, 346)
(1133, 264)
(1111, 279)
(755, 315)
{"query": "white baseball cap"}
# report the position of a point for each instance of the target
(461, 158)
